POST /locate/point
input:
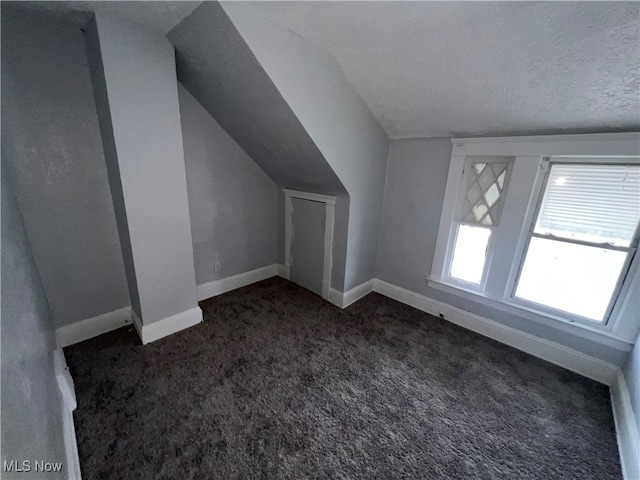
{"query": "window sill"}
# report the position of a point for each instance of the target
(597, 333)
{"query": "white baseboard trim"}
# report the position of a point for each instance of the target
(336, 297)
(556, 353)
(155, 331)
(69, 404)
(282, 271)
(343, 300)
(224, 285)
(92, 327)
(626, 428)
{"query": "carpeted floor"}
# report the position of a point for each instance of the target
(277, 383)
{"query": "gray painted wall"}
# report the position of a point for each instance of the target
(217, 67)
(631, 370)
(134, 71)
(32, 427)
(414, 191)
(335, 117)
(232, 202)
(51, 135)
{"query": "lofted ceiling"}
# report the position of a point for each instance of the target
(430, 69)
(215, 64)
(160, 16)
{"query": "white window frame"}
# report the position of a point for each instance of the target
(512, 284)
(511, 236)
(446, 274)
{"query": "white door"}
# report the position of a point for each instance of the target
(307, 243)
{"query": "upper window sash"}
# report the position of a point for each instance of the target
(483, 190)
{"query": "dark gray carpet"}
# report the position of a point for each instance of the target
(278, 383)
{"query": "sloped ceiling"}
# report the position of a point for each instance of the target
(460, 68)
(220, 71)
(158, 16)
(469, 68)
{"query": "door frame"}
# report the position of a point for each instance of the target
(330, 204)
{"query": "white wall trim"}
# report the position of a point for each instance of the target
(69, 404)
(316, 197)
(151, 332)
(602, 337)
(599, 144)
(224, 285)
(343, 300)
(594, 368)
(626, 428)
(330, 205)
(282, 271)
(92, 327)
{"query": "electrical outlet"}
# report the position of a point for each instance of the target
(216, 267)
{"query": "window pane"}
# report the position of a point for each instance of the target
(470, 253)
(485, 191)
(594, 203)
(574, 278)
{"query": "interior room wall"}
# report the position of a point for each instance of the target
(134, 76)
(32, 418)
(232, 201)
(51, 136)
(414, 192)
(217, 67)
(336, 118)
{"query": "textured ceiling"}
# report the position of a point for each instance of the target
(468, 68)
(160, 16)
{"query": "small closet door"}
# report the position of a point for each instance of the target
(307, 243)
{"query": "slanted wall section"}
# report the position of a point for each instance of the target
(218, 68)
(337, 120)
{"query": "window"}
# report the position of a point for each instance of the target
(545, 228)
(470, 253)
(583, 238)
(478, 214)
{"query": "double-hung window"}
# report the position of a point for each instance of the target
(544, 227)
(583, 238)
(478, 214)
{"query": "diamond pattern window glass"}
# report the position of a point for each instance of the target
(486, 183)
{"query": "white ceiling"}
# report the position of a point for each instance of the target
(159, 16)
(467, 68)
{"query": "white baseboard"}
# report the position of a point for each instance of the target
(282, 271)
(626, 428)
(92, 327)
(553, 352)
(224, 285)
(344, 299)
(336, 297)
(69, 404)
(151, 332)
